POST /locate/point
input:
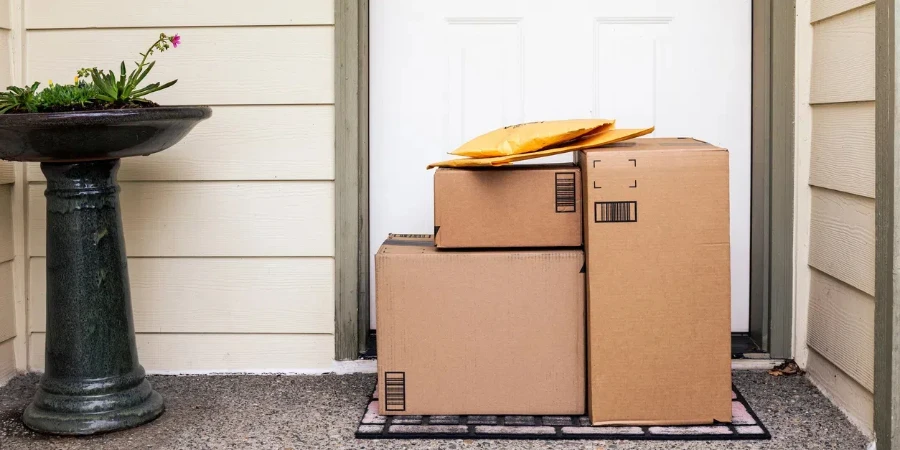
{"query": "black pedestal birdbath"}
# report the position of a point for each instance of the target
(92, 379)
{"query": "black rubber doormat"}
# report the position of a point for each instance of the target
(745, 425)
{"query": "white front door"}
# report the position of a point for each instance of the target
(444, 71)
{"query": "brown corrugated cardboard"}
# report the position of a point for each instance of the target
(479, 332)
(513, 206)
(659, 302)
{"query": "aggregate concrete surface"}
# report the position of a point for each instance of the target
(322, 412)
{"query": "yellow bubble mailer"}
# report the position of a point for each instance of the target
(604, 137)
(529, 137)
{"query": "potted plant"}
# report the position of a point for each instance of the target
(92, 379)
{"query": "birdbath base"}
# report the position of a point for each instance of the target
(92, 380)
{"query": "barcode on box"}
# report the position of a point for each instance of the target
(615, 212)
(395, 391)
(565, 192)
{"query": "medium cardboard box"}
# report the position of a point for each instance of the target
(479, 332)
(512, 206)
(659, 289)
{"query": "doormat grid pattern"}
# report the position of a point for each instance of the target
(745, 426)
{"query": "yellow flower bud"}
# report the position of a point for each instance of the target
(50, 82)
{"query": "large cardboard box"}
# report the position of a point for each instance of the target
(659, 290)
(479, 332)
(513, 206)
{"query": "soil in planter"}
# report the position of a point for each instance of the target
(90, 107)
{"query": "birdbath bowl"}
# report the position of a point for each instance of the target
(92, 380)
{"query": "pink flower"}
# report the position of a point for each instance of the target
(176, 41)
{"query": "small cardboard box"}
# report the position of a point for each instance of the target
(513, 206)
(479, 332)
(659, 291)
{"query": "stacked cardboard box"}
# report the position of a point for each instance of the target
(501, 312)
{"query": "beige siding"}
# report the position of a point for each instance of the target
(7, 172)
(823, 9)
(204, 353)
(7, 245)
(12, 320)
(214, 66)
(210, 295)
(844, 58)
(842, 327)
(222, 148)
(842, 237)
(843, 156)
(7, 281)
(7, 361)
(215, 218)
(7, 302)
(140, 14)
(229, 234)
(839, 207)
(855, 400)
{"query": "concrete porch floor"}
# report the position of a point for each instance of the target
(313, 412)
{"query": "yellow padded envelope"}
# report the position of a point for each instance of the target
(593, 140)
(529, 137)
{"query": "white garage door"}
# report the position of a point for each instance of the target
(444, 71)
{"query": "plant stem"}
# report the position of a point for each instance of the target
(149, 51)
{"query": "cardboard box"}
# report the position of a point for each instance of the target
(513, 206)
(659, 289)
(479, 332)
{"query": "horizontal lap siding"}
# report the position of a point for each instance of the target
(219, 295)
(158, 13)
(215, 218)
(185, 353)
(843, 66)
(280, 142)
(823, 9)
(230, 233)
(851, 396)
(7, 249)
(7, 172)
(214, 66)
(842, 204)
(842, 237)
(7, 302)
(842, 327)
(7, 361)
(843, 148)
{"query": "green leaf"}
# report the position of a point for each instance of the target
(144, 73)
(121, 84)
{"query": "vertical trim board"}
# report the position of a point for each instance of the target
(887, 262)
(347, 189)
(782, 183)
(761, 160)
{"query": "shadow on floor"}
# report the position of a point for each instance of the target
(321, 412)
